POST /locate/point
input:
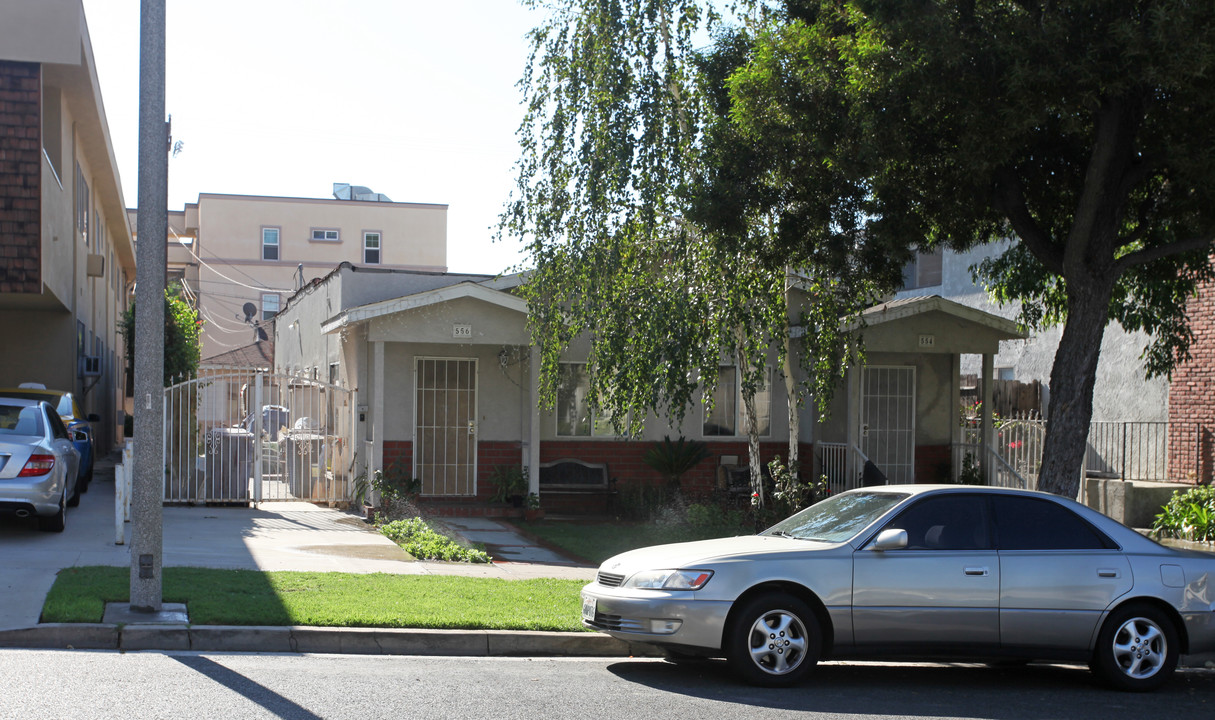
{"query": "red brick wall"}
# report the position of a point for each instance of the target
(932, 463)
(20, 177)
(1192, 397)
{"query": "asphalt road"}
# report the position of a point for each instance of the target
(78, 684)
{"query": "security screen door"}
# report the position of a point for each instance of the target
(445, 430)
(888, 421)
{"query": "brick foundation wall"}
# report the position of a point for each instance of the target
(1192, 397)
(933, 463)
(20, 177)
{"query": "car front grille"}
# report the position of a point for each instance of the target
(610, 580)
(615, 622)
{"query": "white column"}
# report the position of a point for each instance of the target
(377, 408)
(533, 436)
(986, 437)
(851, 469)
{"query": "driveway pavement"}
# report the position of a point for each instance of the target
(275, 536)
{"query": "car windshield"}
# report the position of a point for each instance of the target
(20, 420)
(838, 518)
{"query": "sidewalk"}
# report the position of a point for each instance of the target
(275, 536)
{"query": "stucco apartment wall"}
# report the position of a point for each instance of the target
(1192, 397)
(20, 177)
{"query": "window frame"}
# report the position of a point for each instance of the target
(337, 235)
(599, 424)
(277, 244)
(915, 271)
(740, 412)
(278, 303)
(379, 247)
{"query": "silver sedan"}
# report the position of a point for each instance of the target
(918, 571)
(38, 463)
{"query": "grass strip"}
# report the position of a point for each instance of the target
(596, 542)
(251, 597)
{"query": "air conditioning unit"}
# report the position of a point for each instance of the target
(90, 366)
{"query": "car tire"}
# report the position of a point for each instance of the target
(58, 521)
(1137, 648)
(774, 640)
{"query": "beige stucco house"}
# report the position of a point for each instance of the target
(66, 254)
(445, 385)
(240, 257)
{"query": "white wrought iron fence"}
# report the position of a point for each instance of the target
(237, 437)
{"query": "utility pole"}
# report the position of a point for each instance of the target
(147, 512)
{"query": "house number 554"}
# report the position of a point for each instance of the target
(461, 331)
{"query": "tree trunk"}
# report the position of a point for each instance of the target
(1071, 386)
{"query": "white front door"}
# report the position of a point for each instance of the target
(888, 421)
(445, 426)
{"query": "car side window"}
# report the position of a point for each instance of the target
(57, 427)
(1026, 523)
(945, 522)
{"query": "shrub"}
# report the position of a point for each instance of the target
(672, 459)
(1188, 515)
(421, 541)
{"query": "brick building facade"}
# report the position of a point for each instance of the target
(20, 177)
(1192, 397)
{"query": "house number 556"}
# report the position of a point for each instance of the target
(461, 331)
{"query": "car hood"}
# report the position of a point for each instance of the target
(702, 552)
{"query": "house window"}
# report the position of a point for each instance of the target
(325, 235)
(575, 417)
(727, 417)
(270, 243)
(82, 205)
(269, 306)
(371, 248)
(923, 271)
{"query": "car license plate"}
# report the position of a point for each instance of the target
(588, 609)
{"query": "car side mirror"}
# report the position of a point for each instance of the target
(891, 539)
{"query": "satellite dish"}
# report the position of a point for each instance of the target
(250, 311)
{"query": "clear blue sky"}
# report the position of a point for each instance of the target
(414, 99)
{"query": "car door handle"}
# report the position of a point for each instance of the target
(979, 571)
(1108, 573)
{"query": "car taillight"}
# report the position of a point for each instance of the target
(37, 465)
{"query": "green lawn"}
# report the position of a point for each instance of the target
(249, 597)
(596, 542)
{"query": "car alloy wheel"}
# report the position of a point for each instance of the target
(775, 640)
(1137, 649)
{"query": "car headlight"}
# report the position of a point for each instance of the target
(669, 579)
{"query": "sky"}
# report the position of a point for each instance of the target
(415, 99)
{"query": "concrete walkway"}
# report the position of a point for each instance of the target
(274, 536)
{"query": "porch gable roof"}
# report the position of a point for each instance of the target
(476, 291)
(968, 330)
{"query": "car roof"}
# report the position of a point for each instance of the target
(19, 402)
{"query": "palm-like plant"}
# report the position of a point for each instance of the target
(671, 459)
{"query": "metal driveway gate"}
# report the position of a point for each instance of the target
(244, 436)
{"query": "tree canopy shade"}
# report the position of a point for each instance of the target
(836, 136)
(182, 348)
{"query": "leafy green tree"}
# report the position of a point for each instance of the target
(1080, 129)
(616, 115)
(183, 351)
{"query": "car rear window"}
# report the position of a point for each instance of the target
(20, 420)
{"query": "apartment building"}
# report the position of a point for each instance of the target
(66, 252)
(240, 257)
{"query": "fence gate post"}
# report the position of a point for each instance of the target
(257, 437)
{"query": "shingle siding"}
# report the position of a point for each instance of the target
(20, 177)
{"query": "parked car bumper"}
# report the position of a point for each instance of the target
(660, 618)
(36, 497)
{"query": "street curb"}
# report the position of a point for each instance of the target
(301, 639)
(349, 641)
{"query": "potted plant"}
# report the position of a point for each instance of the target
(510, 484)
(671, 459)
(533, 511)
